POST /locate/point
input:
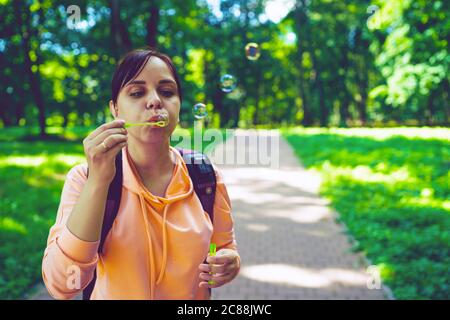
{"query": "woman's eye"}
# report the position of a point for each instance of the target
(167, 93)
(136, 94)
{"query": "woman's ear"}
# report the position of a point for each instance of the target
(113, 108)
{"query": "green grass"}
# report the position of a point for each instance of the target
(32, 174)
(391, 189)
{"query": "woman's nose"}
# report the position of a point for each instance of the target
(153, 102)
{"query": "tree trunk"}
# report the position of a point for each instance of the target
(152, 25)
(429, 108)
(246, 66)
(119, 32)
(66, 119)
(301, 21)
(5, 102)
(257, 99)
(3, 112)
(344, 106)
(324, 112)
(343, 111)
(363, 81)
(20, 113)
(363, 87)
(34, 77)
(445, 105)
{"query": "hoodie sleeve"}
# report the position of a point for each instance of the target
(223, 231)
(68, 264)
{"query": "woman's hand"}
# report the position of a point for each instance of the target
(224, 265)
(101, 148)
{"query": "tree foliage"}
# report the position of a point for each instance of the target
(324, 62)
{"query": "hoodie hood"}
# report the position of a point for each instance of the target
(180, 185)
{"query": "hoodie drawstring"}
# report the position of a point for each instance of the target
(149, 239)
(164, 257)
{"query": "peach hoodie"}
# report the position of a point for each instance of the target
(154, 247)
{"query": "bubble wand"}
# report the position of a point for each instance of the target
(153, 123)
(212, 252)
(162, 121)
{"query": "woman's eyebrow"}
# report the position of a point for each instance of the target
(135, 82)
(163, 81)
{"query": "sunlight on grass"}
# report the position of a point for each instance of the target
(36, 161)
(381, 133)
(427, 202)
(69, 160)
(9, 224)
(367, 174)
(23, 161)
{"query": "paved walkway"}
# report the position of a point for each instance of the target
(290, 245)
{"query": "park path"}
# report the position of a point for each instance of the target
(290, 244)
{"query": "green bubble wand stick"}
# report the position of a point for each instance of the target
(212, 252)
(153, 123)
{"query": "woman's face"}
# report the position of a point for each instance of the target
(153, 92)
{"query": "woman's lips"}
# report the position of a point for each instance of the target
(157, 118)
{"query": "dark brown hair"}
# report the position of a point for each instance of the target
(132, 64)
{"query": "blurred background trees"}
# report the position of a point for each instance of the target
(322, 63)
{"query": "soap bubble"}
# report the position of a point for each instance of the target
(227, 83)
(372, 9)
(252, 51)
(199, 111)
(374, 19)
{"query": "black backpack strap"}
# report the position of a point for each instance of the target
(111, 209)
(203, 177)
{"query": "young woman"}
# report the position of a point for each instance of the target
(161, 235)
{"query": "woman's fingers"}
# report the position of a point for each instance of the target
(218, 277)
(110, 142)
(117, 147)
(105, 134)
(214, 281)
(218, 268)
(215, 268)
(119, 123)
(204, 267)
